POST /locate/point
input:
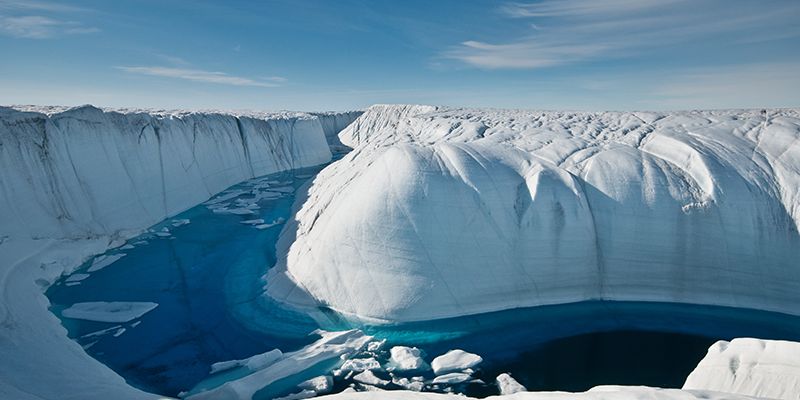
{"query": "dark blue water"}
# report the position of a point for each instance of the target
(206, 277)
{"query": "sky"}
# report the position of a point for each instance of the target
(349, 54)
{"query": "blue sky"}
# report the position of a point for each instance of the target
(344, 54)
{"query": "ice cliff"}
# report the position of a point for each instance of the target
(443, 212)
(72, 181)
(86, 172)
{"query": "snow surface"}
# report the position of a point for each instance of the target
(74, 181)
(762, 368)
(597, 393)
(441, 212)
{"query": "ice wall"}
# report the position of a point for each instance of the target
(443, 212)
(86, 172)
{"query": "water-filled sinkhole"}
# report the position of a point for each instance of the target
(204, 269)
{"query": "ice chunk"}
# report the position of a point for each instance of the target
(320, 385)
(115, 311)
(455, 360)
(452, 378)
(415, 384)
(104, 261)
(369, 378)
(406, 359)
(76, 278)
(257, 221)
(376, 345)
(180, 222)
(508, 385)
(253, 363)
(330, 347)
(360, 364)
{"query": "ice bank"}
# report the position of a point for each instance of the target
(444, 212)
(75, 181)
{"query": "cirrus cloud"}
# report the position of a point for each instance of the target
(197, 75)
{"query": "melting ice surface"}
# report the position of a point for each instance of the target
(187, 294)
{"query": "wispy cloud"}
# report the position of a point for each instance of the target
(40, 20)
(43, 6)
(41, 27)
(204, 76)
(569, 31)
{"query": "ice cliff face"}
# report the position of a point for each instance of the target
(86, 172)
(443, 212)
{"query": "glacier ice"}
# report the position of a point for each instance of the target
(441, 212)
(89, 172)
(73, 182)
(753, 367)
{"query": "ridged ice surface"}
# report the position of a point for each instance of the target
(443, 212)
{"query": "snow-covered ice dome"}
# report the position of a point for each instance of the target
(441, 212)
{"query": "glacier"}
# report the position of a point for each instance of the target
(85, 172)
(75, 182)
(436, 212)
(441, 212)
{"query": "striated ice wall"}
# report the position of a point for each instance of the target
(443, 212)
(85, 172)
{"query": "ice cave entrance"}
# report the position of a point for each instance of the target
(187, 293)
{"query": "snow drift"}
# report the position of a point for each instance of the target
(445, 212)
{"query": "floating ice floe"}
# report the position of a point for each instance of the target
(369, 378)
(360, 364)
(406, 359)
(253, 363)
(452, 378)
(331, 347)
(180, 222)
(75, 278)
(104, 261)
(455, 360)
(114, 311)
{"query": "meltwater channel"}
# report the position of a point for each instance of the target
(204, 269)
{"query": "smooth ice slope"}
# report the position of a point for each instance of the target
(85, 172)
(445, 212)
(762, 368)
